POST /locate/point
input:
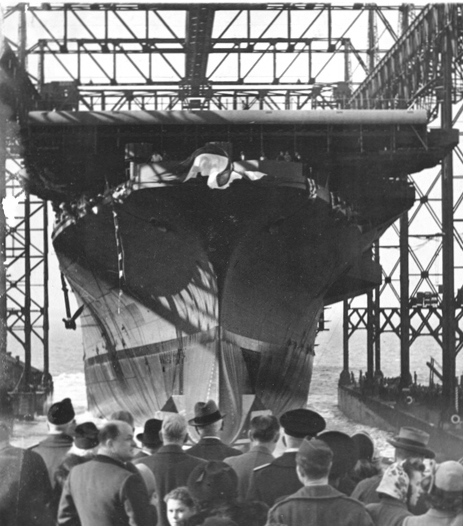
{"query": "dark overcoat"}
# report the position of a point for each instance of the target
(171, 467)
(244, 466)
(212, 448)
(52, 449)
(388, 512)
(275, 480)
(105, 492)
(321, 505)
(25, 489)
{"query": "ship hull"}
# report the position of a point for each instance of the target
(192, 293)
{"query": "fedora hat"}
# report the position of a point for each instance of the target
(413, 440)
(150, 436)
(300, 423)
(206, 413)
(345, 451)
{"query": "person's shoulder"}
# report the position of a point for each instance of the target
(366, 484)
(262, 468)
(232, 452)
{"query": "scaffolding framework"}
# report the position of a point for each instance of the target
(79, 56)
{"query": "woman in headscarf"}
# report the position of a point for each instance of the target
(399, 489)
(444, 494)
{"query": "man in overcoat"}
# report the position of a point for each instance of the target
(208, 422)
(264, 435)
(105, 491)
(271, 481)
(61, 425)
(317, 502)
(25, 489)
(170, 464)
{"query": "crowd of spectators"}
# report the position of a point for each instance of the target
(97, 475)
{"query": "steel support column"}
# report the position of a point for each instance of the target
(3, 311)
(404, 304)
(448, 293)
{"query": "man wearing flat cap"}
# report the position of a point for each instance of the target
(279, 478)
(317, 502)
(208, 422)
(409, 443)
(61, 424)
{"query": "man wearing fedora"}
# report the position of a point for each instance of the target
(170, 465)
(150, 438)
(409, 443)
(279, 478)
(317, 502)
(61, 424)
(208, 422)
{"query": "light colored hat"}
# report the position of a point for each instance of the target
(449, 476)
(395, 482)
(412, 440)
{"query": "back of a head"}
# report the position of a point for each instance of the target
(264, 428)
(210, 429)
(110, 430)
(123, 416)
(314, 458)
(174, 428)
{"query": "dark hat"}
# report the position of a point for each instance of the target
(345, 452)
(213, 481)
(300, 423)
(365, 445)
(206, 413)
(412, 440)
(61, 412)
(150, 436)
(86, 435)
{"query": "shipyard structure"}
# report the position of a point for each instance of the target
(202, 225)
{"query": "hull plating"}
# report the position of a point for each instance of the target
(220, 297)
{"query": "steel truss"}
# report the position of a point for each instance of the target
(26, 263)
(416, 68)
(109, 56)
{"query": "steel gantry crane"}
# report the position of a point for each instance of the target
(117, 56)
